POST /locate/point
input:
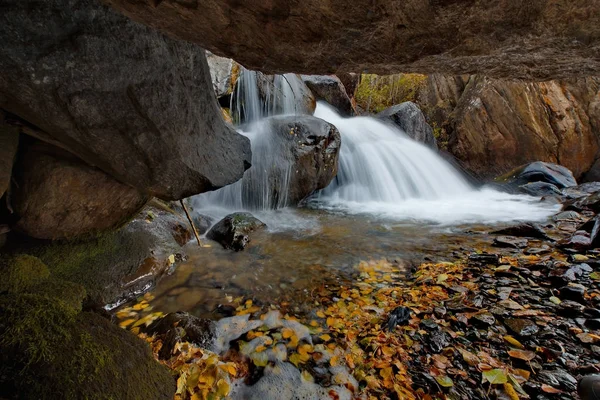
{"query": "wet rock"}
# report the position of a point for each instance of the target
(580, 241)
(116, 94)
(571, 308)
(429, 324)
(524, 230)
(567, 216)
(437, 341)
(295, 156)
(330, 89)
(589, 386)
(583, 190)
(409, 117)
(540, 189)
(595, 233)
(538, 250)
(591, 202)
(593, 323)
(181, 327)
(573, 292)
(58, 196)
(202, 223)
(398, 316)
(233, 231)
(484, 258)
(521, 327)
(484, 319)
(539, 171)
(508, 241)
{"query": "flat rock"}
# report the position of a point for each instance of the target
(524, 230)
(233, 231)
(509, 241)
(521, 327)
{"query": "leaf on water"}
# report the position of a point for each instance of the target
(513, 342)
(524, 355)
(222, 388)
(306, 376)
(444, 381)
(287, 333)
(495, 376)
(325, 337)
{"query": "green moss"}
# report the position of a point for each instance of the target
(22, 271)
(48, 350)
(376, 93)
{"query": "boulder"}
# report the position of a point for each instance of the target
(223, 73)
(233, 231)
(9, 141)
(293, 157)
(538, 40)
(540, 189)
(57, 196)
(495, 125)
(583, 190)
(538, 171)
(180, 327)
(527, 229)
(410, 119)
(121, 96)
(329, 88)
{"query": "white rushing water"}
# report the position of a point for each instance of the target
(382, 171)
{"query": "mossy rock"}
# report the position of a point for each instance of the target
(21, 272)
(376, 93)
(50, 351)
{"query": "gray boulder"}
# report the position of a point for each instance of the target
(120, 95)
(539, 171)
(223, 73)
(330, 89)
(409, 117)
(293, 157)
(233, 231)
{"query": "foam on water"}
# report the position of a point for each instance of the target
(384, 172)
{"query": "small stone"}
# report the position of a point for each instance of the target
(521, 327)
(484, 258)
(573, 292)
(484, 319)
(430, 324)
(511, 242)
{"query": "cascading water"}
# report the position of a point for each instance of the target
(381, 170)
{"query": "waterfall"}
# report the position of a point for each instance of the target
(380, 163)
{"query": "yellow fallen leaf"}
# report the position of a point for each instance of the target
(127, 322)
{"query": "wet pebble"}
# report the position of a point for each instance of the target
(521, 327)
(572, 292)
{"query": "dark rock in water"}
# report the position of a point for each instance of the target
(580, 241)
(508, 241)
(58, 196)
(593, 323)
(294, 156)
(573, 292)
(233, 231)
(437, 341)
(521, 327)
(484, 258)
(409, 117)
(117, 94)
(524, 230)
(567, 216)
(539, 171)
(181, 327)
(330, 89)
(583, 190)
(398, 316)
(591, 202)
(540, 189)
(484, 319)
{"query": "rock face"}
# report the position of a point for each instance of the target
(410, 119)
(57, 196)
(538, 171)
(537, 39)
(9, 141)
(223, 73)
(294, 156)
(330, 89)
(233, 231)
(119, 95)
(493, 126)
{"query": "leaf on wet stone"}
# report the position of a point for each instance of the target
(550, 389)
(495, 376)
(524, 355)
(511, 392)
(510, 304)
(595, 276)
(469, 357)
(513, 342)
(442, 278)
(555, 300)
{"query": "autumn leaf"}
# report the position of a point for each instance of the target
(495, 376)
(524, 355)
(550, 389)
(513, 342)
(444, 381)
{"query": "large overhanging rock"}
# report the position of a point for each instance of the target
(536, 39)
(119, 95)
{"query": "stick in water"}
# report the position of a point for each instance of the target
(187, 214)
